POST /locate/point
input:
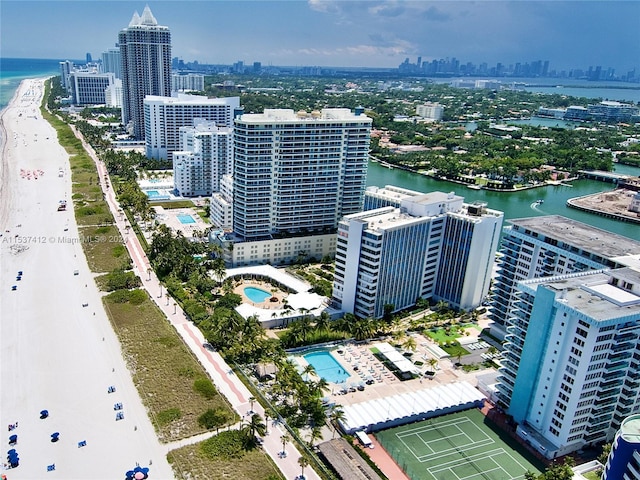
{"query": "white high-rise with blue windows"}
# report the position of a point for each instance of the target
(552, 245)
(411, 246)
(164, 116)
(570, 372)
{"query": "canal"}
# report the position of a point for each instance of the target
(518, 204)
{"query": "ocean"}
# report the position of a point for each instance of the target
(14, 70)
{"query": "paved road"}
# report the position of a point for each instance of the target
(221, 374)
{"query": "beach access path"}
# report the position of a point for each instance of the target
(221, 374)
(58, 351)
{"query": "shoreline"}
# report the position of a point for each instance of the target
(600, 204)
(58, 349)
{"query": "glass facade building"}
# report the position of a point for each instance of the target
(145, 53)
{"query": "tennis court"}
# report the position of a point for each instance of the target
(459, 446)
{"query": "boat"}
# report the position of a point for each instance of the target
(474, 187)
(539, 201)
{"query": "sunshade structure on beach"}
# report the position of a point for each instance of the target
(408, 407)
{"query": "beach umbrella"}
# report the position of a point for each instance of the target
(54, 436)
(44, 414)
(13, 439)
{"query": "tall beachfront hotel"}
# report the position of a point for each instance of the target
(552, 245)
(413, 245)
(295, 175)
(570, 373)
(145, 51)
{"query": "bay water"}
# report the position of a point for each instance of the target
(514, 205)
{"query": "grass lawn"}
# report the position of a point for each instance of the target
(162, 367)
(441, 336)
(176, 204)
(190, 463)
(594, 475)
(99, 238)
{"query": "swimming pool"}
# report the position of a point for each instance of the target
(326, 366)
(256, 295)
(185, 219)
(152, 193)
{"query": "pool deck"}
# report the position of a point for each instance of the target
(169, 217)
(386, 383)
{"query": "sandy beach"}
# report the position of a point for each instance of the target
(58, 350)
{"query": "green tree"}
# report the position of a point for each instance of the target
(303, 461)
(336, 415)
(213, 419)
(255, 426)
(556, 471)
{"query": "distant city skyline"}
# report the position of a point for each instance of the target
(571, 34)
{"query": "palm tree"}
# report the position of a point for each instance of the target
(322, 322)
(363, 329)
(433, 363)
(337, 414)
(255, 427)
(410, 344)
(442, 305)
(251, 401)
(315, 434)
(303, 462)
(307, 371)
(284, 439)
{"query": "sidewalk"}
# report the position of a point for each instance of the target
(221, 374)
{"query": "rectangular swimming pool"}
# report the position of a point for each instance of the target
(185, 219)
(326, 366)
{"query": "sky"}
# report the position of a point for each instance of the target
(371, 33)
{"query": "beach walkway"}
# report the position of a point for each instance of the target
(221, 374)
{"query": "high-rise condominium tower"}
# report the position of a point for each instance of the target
(298, 172)
(145, 50)
(552, 245)
(570, 373)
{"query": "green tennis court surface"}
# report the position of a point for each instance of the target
(459, 446)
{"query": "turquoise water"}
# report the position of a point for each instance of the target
(152, 193)
(326, 366)
(185, 219)
(256, 295)
(517, 204)
(14, 70)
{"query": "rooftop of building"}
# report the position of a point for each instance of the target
(630, 429)
(272, 115)
(587, 238)
(186, 99)
(595, 295)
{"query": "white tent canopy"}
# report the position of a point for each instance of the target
(409, 407)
